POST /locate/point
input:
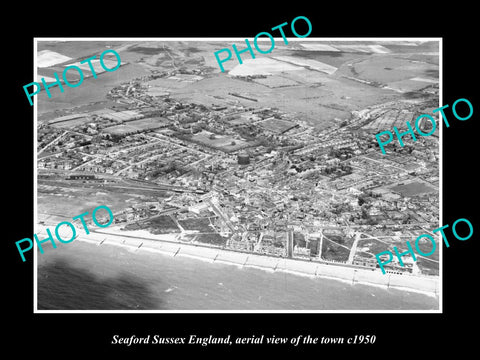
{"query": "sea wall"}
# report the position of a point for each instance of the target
(425, 284)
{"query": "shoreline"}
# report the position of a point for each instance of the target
(167, 246)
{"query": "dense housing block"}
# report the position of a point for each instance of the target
(410, 130)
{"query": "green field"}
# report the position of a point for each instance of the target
(161, 225)
(413, 188)
(148, 123)
(331, 250)
(213, 239)
(200, 224)
(220, 142)
(70, 124)
(276, 125)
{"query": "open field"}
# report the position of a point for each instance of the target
(69, 124)
(408, 85)
(276, 125)
(413, 188)
(387, 69)
(214, 239)
(69, 202)
(169, 55)
(148, 123)
(97, 67)
(375, 246)
(429, 58)
(308, 63)
(166, 84)
(410, 46)
(180, 52)
(289, 89)
(122, 129)
(336, 59)
(307, 77)
(80, 49)
(319, 47)
(376, 49)
(346, 94)
(220, 142)
(157, 225)
(197, 224)
(332, 249)
(136, 125)
(426, 246)
(121, 115)
(428, 267)
(50, 62)
(262, 66)
(91, 90)
(46, 58)
(276, 81)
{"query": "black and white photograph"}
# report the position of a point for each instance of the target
(260, 187)
(191, 182)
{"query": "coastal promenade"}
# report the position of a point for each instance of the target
(166, 244)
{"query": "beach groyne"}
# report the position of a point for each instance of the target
(352, 275)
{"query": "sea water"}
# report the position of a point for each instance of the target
(86, 276)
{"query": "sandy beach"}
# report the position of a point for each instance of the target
(116, 276)
(167, 245)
